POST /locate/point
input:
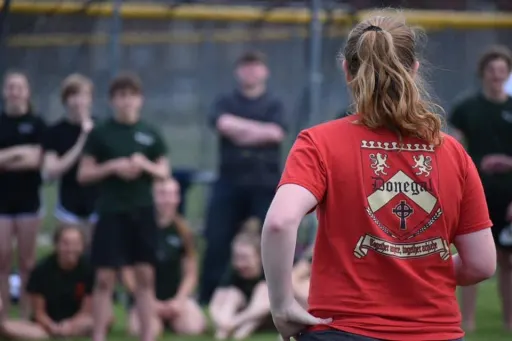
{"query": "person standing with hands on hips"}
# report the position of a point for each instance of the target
(124, 155)
(64, 142)
(382, 266)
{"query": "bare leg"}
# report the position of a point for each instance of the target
(232, 302)
(505, 285)
(23, 330)
(246, 329)
(301, 289)
(252, 316)
(190, 321)
(134, 324)
(144, 296)
(81, 327)
(26, 229)
(6, 234)
(102, 303)
(468, 307)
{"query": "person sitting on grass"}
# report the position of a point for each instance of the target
(176, 270)
(301, 275)
(240, 305)
(59, 289)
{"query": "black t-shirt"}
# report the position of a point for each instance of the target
(169, 255)
(111, 140)
(17, 131)
(256, 164)
(63, 290)
(487, 128)
(60, 138)
(246, 285)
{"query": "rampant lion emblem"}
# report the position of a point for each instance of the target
(423, 164)
(379, 163)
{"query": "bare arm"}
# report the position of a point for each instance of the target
(29, 159)
(54, 166)
(85, 310)
(7, 155)
(40, 315)
(291, 203)
(258, 307)
(89, 171)
(159, 169)
(476, 258)
(248, 132)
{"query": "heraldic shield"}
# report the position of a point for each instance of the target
(401, 186)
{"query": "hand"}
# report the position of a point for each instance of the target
(496, 163)
(65, 328)
(87, 126)
(172, 307)
(54, 329)
(140, 160)
(126, 169)
(293, 319)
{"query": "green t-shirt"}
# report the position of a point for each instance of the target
(487, 128)
(111, 140)
(246, 285)
(168, 266)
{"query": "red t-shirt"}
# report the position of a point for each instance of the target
(387, 216)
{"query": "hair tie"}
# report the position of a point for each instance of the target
(372, 28)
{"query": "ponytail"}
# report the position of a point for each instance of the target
(382, 65)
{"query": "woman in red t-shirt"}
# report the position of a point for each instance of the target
(392, 193)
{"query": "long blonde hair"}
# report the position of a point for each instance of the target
(380, 55)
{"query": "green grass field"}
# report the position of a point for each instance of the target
(489, 322)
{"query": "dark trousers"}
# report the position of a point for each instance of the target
(337, 335)
(229, 206)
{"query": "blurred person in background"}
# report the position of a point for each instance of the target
(63, 145)
(21, 137)
(301, 277)
(484, 123)
(240, 304)
(176, 269)
(392, 193)
(60, 290)
(251, 124)
(124, 155)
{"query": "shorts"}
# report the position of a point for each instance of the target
(20, 205)
(125, 238)
(498, 205)
(336, 335)
(70, 216)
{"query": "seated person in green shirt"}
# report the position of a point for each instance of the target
(59, 288)
(301, 275)
(123, 156)
(176, 270)
(240, 304)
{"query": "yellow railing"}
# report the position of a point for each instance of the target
(427, 19)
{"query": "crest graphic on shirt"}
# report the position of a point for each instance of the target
(400, 182)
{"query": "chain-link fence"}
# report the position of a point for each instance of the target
(185, 64)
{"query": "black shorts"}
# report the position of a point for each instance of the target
(16, 205)
(337, 335)
(127, 238)
(75, 213)
(498, 205)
